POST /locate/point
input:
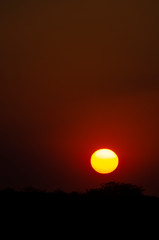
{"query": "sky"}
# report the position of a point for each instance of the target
(77, 76)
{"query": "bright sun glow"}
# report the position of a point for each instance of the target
(104, 161)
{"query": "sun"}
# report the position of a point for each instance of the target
(104, 161)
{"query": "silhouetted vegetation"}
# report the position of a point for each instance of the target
(107, 191)
(113, 190)
(113, 199)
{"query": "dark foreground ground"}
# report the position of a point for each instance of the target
(114, 209)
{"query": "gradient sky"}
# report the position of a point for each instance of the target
(77, 76)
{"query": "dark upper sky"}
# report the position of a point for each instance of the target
(77, 76)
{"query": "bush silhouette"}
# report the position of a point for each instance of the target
(112, 190)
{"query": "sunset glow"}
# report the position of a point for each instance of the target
(104, 161)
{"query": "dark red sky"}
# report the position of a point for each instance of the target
(77, 76)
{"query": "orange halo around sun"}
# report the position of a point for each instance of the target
(104, 161)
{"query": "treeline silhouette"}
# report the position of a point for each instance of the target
(110, 199)
(110, 191)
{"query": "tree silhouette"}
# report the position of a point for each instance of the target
(112, 190)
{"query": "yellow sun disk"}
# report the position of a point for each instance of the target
(104, 161)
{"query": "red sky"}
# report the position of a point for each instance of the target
(77, 76)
